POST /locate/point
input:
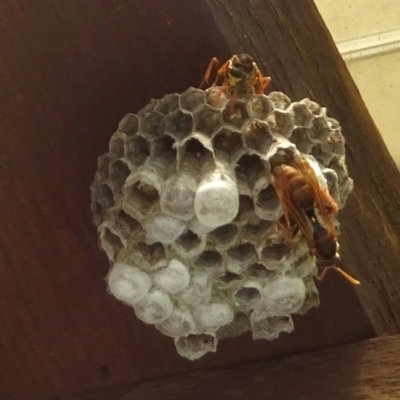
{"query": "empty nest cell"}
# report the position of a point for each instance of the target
(192, 99)
(243, 254)
(275, 251)
(228, 144)
(129, 124)
(179, 124)
(207, 120)
(152, 125)
(116, 146)
(260, 106)
(140, 197)
(267, 199)
(223, 235)
(195, 154)
(249, 168)
(209, 262)
(188, 241)
(118, 172)
(167, 104)
(137, 149)
(258, 136)
(235, 113)
(102, 201)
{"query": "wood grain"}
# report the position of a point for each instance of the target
(367, 370)
(68, 72)
(291, 43)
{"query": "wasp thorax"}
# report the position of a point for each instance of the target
(187, 212)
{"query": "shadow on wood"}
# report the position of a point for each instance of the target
(365, 370)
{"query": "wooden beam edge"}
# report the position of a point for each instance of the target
(368, 370)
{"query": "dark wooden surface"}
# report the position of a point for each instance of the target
(68, 72)
(367, 370)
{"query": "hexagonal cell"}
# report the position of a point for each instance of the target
(312, 296)
(116, 145)
(322, 154)
(314, 107)
(223, 236)
(279, 100)
(300, 137)
(235, 113)
(151, 253)
(118, 172)
(260, 106)
(249, 168)
(332, 182)
(230, 277)
(258, 136)
(302, 116)
(189, 243)
(179, 124)
(228, 144)
(110, 243)
(139, 197)
(167, 104)
(240, 257)
(256, 231)
(149, 107)
(102, 167)
(238, 326)
(195, 154)
(281, 154)
(320, 129)
(249, 295)
(137, 149)
(246, 208)
(193, 347)
(259, 271)
(210, 262)
(281, 122)
(207, 120)
(215, 97)
(102, 200)
(164, 151)
(275, 251)
(124, 224)
(271, 327)
(336, 143)
(152, 125)
(192, 99)
(267, 201)
(129, 124)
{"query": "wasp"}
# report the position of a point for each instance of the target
(239, 73)
(308, 208)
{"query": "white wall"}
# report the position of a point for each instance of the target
(376, 69)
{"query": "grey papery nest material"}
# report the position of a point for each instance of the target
(186, 213)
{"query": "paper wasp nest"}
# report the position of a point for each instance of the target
(186, 213)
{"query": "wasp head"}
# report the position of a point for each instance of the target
(241, 67)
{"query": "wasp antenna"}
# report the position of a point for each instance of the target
(347, 276)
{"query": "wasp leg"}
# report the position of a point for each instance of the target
(218, 96)
(233, 100)
(265, 82)
(322, 274)
(206, 77)
(347, 276)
